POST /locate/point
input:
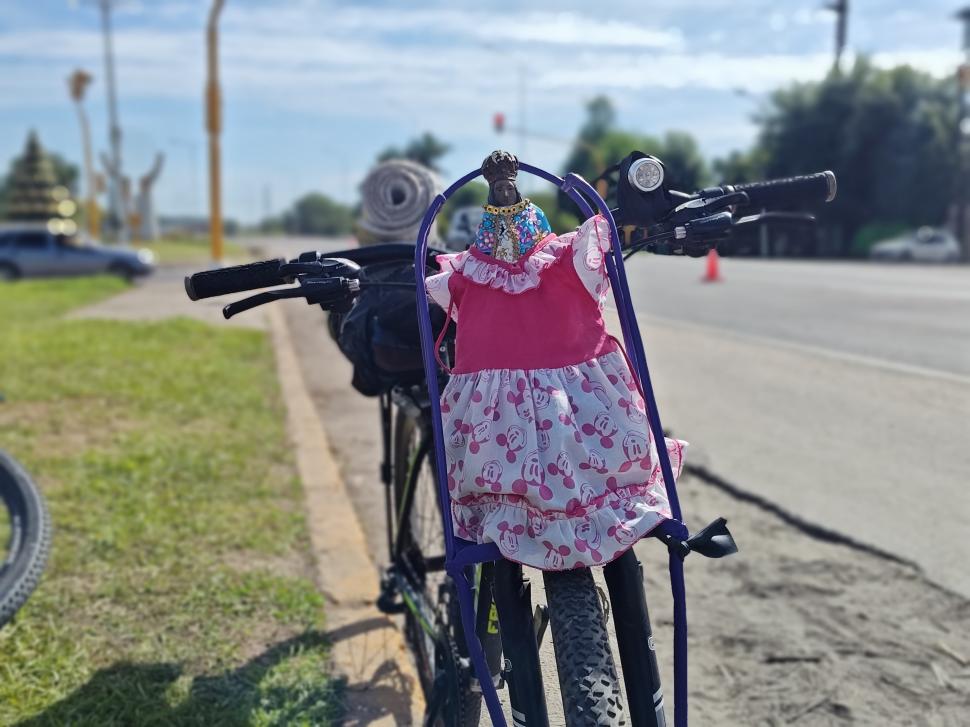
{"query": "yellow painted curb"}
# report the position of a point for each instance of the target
(367, 647)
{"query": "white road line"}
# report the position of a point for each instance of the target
(843, 356)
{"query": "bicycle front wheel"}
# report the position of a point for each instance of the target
(591, 692)
(25, 536)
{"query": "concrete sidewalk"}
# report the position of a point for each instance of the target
(162, 295)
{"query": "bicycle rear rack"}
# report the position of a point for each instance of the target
(460, 553)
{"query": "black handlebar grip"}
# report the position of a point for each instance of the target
(820, 187)
(235, 279)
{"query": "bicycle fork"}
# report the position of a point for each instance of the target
(634, 637)
(523, 674)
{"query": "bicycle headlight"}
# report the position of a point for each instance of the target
(646, 174)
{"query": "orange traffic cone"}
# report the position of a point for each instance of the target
(713, 274)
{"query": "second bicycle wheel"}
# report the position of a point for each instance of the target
(25, 534)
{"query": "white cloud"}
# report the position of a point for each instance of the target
(938, 61)
(447, 69)
(513, 30)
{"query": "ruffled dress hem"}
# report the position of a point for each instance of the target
(588, 533)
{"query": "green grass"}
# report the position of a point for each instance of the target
(186, 250)
(179, 591)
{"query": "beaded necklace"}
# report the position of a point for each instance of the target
(508, 233)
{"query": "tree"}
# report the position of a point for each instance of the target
(316, 214)
(887, 135)
(426, 150)
(600, 120)
(739, 167)
(32, 178)
(66, 172)
(473, 193)
(591, 153)
(560, 219)
(599, 144)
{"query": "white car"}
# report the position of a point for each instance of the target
(462, 227)
(925, 245)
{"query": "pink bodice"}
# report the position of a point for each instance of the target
(551, 325)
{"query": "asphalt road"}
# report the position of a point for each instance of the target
(903, 317)
(841, 392)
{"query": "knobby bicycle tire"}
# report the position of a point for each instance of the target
(407, 453)
(29, 540)
(591, 691)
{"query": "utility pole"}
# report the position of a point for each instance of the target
(77, 83)
(841, 10)
(213, 122)
(963, 87)
(116, 205)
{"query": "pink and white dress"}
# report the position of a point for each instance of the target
(548, 449)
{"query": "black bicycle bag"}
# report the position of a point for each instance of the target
(379, 334)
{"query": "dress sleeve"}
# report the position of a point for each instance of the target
(591, 244)
(441, 289)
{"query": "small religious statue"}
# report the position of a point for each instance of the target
(548, 448)
(511, 226)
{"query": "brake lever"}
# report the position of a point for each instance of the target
(799, 218)
(324, 292)
(693, 238)
(704, 207)
(253, 301)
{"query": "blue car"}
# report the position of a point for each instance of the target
(33, 251)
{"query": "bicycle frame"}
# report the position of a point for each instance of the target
(459, 553)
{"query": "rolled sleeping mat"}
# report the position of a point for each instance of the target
(394, 198)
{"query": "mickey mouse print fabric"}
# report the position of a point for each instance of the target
(548, 448)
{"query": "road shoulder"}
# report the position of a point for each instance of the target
(368, 650)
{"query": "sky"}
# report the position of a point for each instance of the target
(313, 90)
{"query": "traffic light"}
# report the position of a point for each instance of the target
(499, 122)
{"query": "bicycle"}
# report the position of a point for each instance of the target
(469, 617)
(25, 531)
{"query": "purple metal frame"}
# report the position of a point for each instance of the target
(461, 554)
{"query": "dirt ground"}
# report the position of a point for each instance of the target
(794, 629)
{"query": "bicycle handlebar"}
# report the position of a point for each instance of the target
(674, 223)
(820, 187)
(235, 279)
(270, 273)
